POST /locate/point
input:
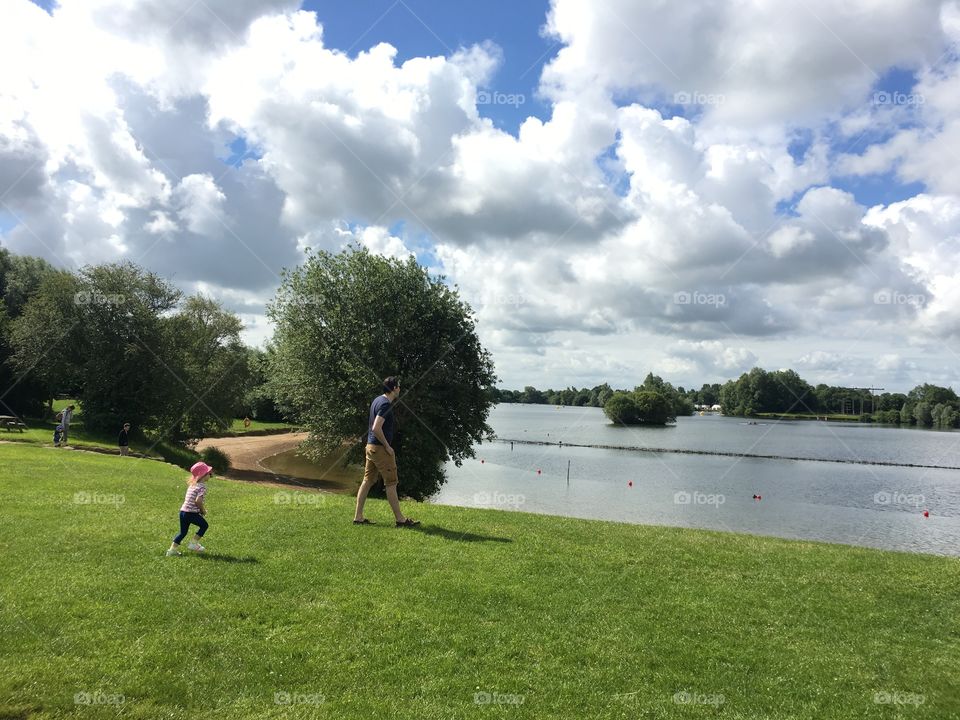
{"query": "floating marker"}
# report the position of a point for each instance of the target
(538, 471)
(757, 497)
(630, 484)
(926, 513)
(482, 462)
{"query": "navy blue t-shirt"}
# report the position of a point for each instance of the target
(383, 408)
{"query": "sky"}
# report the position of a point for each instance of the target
(616, 186)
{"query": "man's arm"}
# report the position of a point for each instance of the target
(378, 433)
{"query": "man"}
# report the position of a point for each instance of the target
(67, 417)
(124, 439)
(380, 456)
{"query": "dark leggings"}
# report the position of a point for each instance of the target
(188, 518)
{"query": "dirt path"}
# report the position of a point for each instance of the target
(245, 453)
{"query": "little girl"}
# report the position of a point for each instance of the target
(193, 509)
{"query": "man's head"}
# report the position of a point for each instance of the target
(126, 426)
(391, 388)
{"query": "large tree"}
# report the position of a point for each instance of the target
(346, 321)
(209, 370)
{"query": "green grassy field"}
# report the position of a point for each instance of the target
(297, 613)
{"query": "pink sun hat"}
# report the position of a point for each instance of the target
(198, 470)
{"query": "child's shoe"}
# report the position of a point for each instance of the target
(196, 547)
(173, 553)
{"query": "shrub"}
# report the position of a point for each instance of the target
(216, 458)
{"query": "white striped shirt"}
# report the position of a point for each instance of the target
(195, 492)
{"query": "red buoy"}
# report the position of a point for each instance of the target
(926, 513)
(482, 461)
(538, 471)
(630, 484)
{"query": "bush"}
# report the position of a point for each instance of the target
(622, 409)
(215, 458)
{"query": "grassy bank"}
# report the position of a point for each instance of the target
(297, 613)
(833, 417)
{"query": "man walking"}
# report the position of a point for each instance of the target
(124, 439)
(380, 456)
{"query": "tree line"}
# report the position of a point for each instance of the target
(753, 393)
(129, 346)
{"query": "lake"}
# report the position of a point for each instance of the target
(858, 504)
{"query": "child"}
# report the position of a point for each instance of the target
(193, 509)
(57, 434)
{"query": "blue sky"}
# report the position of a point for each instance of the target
(418, 28)
(127, 168)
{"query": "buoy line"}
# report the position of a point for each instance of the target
(721, 453)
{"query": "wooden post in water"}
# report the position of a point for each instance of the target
(568, 473)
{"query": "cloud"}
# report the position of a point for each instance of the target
(660, 202)
(752, 63)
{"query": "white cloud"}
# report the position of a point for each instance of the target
(606, 237)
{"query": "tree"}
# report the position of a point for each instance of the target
(643, 407)
(44, 339)
(210, 369)
(346, 321)
(621, 409)
(20, 277)
(532, 395)
(923, 414)
(258, 400)
(654, 408)
(99, 335)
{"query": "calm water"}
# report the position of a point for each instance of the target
(868, 505)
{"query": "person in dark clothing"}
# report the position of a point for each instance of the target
(381, 460)
(123, 440)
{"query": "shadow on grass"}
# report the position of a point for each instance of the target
(226, 558)
(457, 535)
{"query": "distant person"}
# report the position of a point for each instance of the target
(124, 439)
(67, 417)
(381, 459)
(193, 509)
(57, 435)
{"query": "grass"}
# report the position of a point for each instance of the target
(836, 417)
(579, 619)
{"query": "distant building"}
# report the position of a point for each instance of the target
(716, 408)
